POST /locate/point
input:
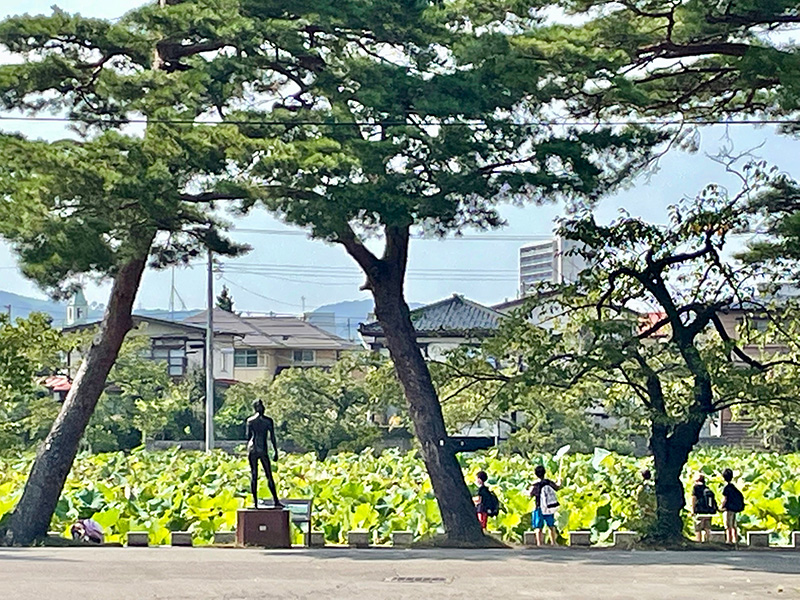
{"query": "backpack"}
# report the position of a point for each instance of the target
(491, 504)
(706, 504)
(735, 499)
(548, 501)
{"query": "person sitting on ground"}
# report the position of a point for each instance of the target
(544, 494)
(87, 530)
(487, 505)
(732, 504)
(704, 505)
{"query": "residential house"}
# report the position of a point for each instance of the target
(442, 326)
(260, 347)
(180, 345)
(246, 348)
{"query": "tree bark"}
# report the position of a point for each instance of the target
(385, 279)
(670, 453)
(31, 517)
(455, 503)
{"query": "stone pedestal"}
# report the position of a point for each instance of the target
(758, 539)
(358, 538)
(267, 527)
(625, 540)
(796, 540)
(529, 538)
(181, 538)
(580, 538)
(138, 538)
(316, 539)
(402, 539)
(225, 537)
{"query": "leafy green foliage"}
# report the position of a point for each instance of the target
(690, 58)
(320, 410)
(670, 368)
(141, 401)
(475, 386)
(29, 350)
(776, 216)
(170, 491)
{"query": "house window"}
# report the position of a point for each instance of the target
(301, 356)
(245, 358)
(174, 357)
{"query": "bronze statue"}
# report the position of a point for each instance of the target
(258, 426)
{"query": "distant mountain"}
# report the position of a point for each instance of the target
(166, 315)
(342, 318)
(22, 306)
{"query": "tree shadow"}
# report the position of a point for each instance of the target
(23, 554)
(783, 561)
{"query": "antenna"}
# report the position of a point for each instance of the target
(172, 296)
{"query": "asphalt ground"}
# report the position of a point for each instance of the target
(89, 573)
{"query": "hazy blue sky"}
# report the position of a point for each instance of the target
(680, 174)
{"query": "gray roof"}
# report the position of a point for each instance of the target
(138, 319)
(454, 316)
(273, 332)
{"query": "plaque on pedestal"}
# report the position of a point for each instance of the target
(268, 528)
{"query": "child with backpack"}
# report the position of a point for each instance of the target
(704, 505)
(544, 493)
(732, 504)
(488, 504)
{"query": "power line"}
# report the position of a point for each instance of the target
(241, 287)
(351, 269)
(510, 237)
(474, 123)
(354, 275)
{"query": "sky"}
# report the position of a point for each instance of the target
(312, 273)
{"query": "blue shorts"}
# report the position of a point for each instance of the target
(538, 520)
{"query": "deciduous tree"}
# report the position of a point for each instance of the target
(29, 351)
(645, 320)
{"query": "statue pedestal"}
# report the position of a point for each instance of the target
(265, 527)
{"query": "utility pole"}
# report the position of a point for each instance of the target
(210, 355)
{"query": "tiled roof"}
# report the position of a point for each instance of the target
(454, 316)
(273, 332)
(139, 319)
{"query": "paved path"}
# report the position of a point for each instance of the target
(235, 574)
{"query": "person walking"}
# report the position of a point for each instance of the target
(544, 514)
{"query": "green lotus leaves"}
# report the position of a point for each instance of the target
(160, 492)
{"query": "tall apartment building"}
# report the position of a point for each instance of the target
(552, 261)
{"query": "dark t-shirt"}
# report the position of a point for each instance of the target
(536, 489)
(731, 495)
(483, 494)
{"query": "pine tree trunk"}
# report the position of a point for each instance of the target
(455, 503)
(670, 453)
(31, 517)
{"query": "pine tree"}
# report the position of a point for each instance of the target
(225, 300)
(355, 120)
